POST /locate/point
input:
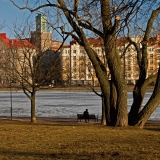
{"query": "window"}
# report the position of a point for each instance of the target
(150, 49)
(158, 50)
(89, 76)
(151, 61)
(74, 51)
(67, 64)
(74, 64)
(122, 62)
(82, 75)
(81, 57)
(82, 51)
(74, 57)
(81, 63)
(67, 58)
(82, 70)
(151, 55)
(89, 69)
(151, 68)
(74, 76)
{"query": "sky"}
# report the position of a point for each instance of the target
(11, 15)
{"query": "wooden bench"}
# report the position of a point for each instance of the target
(90, 116)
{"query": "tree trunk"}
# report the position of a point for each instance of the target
(140, 88)
(152, 104)
(118, 80)
(33, 107)
(113, 100)
(103, 120)
(114, 64)
(138, 96)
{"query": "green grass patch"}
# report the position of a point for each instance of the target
(57, 140)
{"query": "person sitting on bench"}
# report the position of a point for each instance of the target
(86, 115)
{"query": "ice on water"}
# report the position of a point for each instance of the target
(63, 104)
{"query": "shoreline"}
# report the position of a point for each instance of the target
(74, 88)
(58, 119)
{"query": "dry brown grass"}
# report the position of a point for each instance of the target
(57, 140)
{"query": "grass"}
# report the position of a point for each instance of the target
(57, 140)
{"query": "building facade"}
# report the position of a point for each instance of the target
(15, 56)
(73, 66)
(42, 38)
(77, 69)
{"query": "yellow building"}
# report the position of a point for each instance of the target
(14, 56)
(77, 68)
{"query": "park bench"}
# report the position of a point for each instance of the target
(90, 116)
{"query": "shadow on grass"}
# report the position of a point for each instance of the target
(157, 129)
(8, 154)
(47, 123)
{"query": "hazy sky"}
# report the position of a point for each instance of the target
(9, 15)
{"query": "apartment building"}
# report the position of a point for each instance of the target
(12, 61)
(78, 70)
(74, 66)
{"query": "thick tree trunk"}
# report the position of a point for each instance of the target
(118, 80)
(138, 96)
(152, 104)
(114, 65)
(33, 107)
(140, 88)
(122, 113)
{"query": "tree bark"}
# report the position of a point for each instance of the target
(103, 119)
(138, 96)
(33, 107)
(113, 100)
(113, 60)
(152, 104)
(118, 80)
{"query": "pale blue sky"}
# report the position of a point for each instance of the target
(10, 14)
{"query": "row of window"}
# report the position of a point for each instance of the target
(98, 50)
(82, 76)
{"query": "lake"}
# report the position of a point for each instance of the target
(58, 104)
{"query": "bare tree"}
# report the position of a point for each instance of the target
(30, 67)
(107, 19)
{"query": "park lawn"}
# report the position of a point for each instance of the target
(66, 140)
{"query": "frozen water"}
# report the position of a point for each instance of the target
(64, 104)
